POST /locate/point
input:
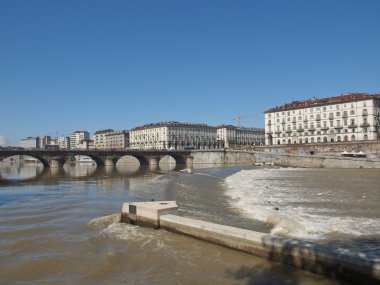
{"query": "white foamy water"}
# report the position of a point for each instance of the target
(303, 203)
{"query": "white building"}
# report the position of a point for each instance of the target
(30, 142)
(174, 135)
(348, 117)
(78, 136)
(64, 142)
(238, 137)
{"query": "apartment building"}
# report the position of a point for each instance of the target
(349, 117)
(77, 137)
(111, 139)
(174, 135)
(30, 142)
(232, 136)
(63, 142)
(117, 139)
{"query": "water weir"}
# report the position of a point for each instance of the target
(335, 263)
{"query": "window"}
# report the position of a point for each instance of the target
(352, 112)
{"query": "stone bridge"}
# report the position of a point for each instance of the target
(57, 158)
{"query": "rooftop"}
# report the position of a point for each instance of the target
(103, 131)
(239, 128)
(325, 101)
(171, 124)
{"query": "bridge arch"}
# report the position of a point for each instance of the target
(143, 160)
(44, 161)
(179, 159)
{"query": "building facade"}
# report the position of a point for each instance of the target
(111, 139)
(77, 137)
(239, 137)
(174, 135)
(348, 117)
(117, 140)
(85, 144)
(30, 142)
(63, 142)
(45, 140)
(100, 140)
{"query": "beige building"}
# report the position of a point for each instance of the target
(174, 135)
(348, 117)
(111, 139)
(239, 137)
(117, 140)
(85, 144)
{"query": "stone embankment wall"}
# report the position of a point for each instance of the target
(372, 148)
(243, 157)
(316, 161)
(222, 157)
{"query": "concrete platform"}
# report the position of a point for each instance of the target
(147, 213)
(336, 263)
(333, 262)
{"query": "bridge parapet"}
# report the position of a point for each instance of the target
(57, 158)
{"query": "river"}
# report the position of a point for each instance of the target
(61, 226)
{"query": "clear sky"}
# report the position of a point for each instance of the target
(90, 65)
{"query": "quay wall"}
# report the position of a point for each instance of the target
(371, 148)
(316, 161)
(246, 157)
(222, 157)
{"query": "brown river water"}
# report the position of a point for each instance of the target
(61, 226)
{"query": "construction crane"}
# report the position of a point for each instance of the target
(238, 118)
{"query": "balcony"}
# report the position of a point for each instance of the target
(365, 125)
(300, 130)
(324, 128)
(344, 115)
(312, 129)
(338, 127)
(277, 132)
(269, 124)
(352, 126)
(288, 131)
(283, 122)
(269, 133)
(331, 117)
(318, 119)
(365, 113)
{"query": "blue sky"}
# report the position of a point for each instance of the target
(73, 65)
